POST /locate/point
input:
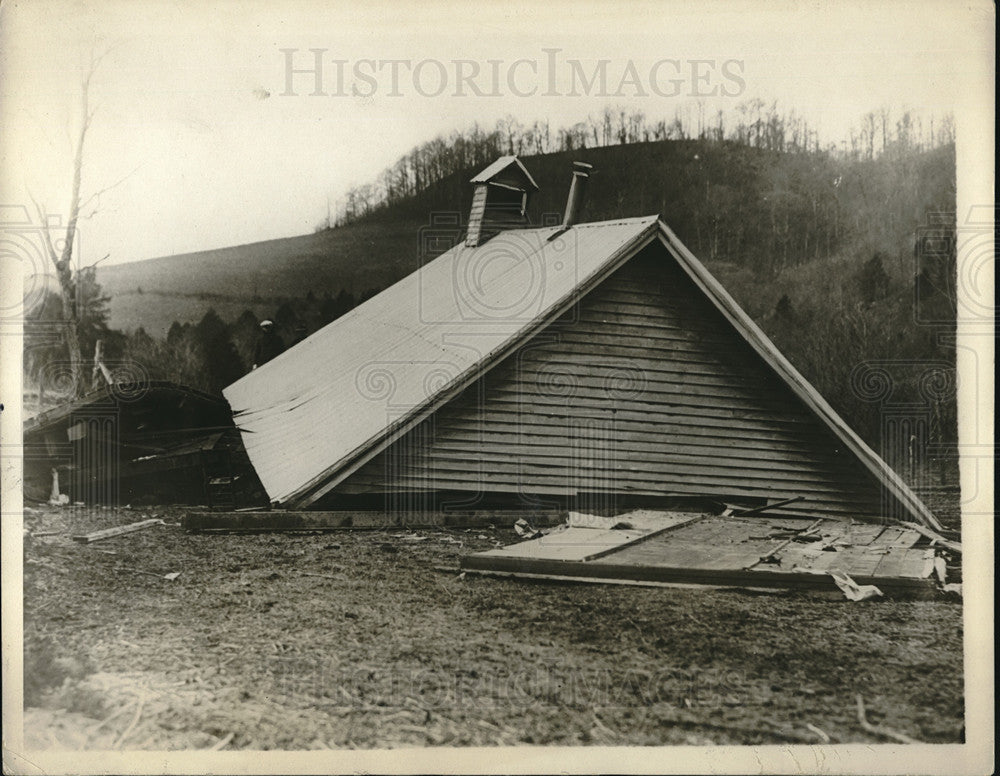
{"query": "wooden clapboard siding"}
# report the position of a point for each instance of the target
(642, 388)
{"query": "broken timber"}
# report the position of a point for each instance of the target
(278, 520)
(108, 533)
(936, 537)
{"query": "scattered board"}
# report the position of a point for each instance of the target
(280, 520)
(108, 533)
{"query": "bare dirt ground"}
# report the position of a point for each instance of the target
(352, 639)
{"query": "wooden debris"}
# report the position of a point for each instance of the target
(279, 520)
(852, 590)
(605, 571)
(108, 533)
(169, 577)
(771, 554)
(114, 715)
(338, 578)
(935, 537)
(822, 735)
(135, 721)
(878, 730)
(222, 743)
(940, 570)
(767, 507)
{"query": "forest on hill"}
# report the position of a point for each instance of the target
(844, 254)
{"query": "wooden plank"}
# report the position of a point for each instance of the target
(710, 543)
(681, 574)
(828, 505)
(771, 465)
(786, 523)
(901, 561)
(588, 543)
(767, 507)
(677, 393)
(531, 414)
(280, 520)
(525, 468)
(662, 339)
(587, 457)
(736, 419)
(538, 434)
(596, 580)
(828, 560)
(935, 536)
(630, 337)
(907, 539)
(640, 519)
(571, 544)
(861, 561)
(650, 383)
(863, 534)
(817, 506)
(499, 398)
(108, 533)
(890, 534)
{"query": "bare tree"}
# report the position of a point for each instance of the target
(79, 208)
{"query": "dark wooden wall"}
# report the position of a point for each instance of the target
(642, 390)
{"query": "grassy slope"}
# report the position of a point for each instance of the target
(184, 287)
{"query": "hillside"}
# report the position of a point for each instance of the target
(258, 276)
(748, 207)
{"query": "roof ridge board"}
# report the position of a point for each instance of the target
(585, 224)
(762, 344)
(333, 475)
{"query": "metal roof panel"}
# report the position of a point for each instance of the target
(312, 409)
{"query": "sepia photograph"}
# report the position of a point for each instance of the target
(468, 388)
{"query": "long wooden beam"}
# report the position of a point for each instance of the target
(565, 570)
(282, 520)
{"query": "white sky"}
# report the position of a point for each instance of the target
(179, 96)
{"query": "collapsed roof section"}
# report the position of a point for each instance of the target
(129, 440)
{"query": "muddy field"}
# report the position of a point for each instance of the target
(355, 640)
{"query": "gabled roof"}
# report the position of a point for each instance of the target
(759, 341)
(316, 413)
(499, 166)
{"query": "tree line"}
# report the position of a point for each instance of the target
(823, 248)
(208, 355)
(753, 124)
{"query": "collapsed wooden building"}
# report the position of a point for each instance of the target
(594, 367)
(136, 441)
